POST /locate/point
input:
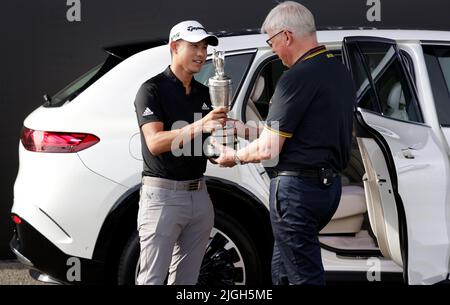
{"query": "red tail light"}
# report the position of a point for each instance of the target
(16, 219)
(56, 142)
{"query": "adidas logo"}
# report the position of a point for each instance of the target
(205, 107)
(147, 112)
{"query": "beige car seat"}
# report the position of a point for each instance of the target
(349, 215)
(397, 104)
(251, 112)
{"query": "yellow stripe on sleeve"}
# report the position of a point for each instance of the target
(280, 133)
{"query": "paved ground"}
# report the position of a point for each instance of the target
(14, 273)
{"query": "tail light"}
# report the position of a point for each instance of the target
(17, 220)
(56, 142)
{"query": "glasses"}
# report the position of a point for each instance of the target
(272, 37)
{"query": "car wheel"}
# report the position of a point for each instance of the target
(230, 259)
(128, 264)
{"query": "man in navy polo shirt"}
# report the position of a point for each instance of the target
(309, 128)
(175, 211)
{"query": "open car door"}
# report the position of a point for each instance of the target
(407, 171)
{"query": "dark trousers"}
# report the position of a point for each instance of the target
(299, 208)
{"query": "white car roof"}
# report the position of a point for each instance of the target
(336, 37)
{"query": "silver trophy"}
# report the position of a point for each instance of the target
(221, 94)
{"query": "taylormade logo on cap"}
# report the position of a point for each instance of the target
(195, 28)
(191, 31)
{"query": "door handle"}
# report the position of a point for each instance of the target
(365, 178)
(407, 153)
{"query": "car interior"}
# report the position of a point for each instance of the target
(350, 232)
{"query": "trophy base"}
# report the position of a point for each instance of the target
(223, 137)
(212, 152)
(213, 156)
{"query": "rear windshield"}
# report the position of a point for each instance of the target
(72, 90)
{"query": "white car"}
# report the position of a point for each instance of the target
(77, 189)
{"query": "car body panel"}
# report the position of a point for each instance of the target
(65, 210)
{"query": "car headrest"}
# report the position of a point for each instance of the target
(396, 103)
(395, 96)
(257, 89)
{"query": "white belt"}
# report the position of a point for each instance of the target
(189, 185)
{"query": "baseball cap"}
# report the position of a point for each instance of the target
(191, 31)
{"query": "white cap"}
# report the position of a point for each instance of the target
(191, 31)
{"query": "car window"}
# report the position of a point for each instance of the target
(236, 67)
(437, 59)
(444, 62)
(409, 64)
(64, 94)
(393, 96)
(263, 87)
(72, 90)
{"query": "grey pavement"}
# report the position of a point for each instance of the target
(14, 273)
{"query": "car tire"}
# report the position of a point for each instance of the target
(231, 256)
(127, 272)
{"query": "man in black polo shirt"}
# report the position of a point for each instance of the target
(309, 128)
(174, 114)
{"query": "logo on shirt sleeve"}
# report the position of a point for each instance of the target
(205, 107)
(147, 112)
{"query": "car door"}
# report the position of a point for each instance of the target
(407, 170)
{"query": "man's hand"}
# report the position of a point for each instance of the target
(226, 158)
(237, 126)
(246, 131)
(214, 120)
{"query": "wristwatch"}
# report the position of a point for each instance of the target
(236, 159)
